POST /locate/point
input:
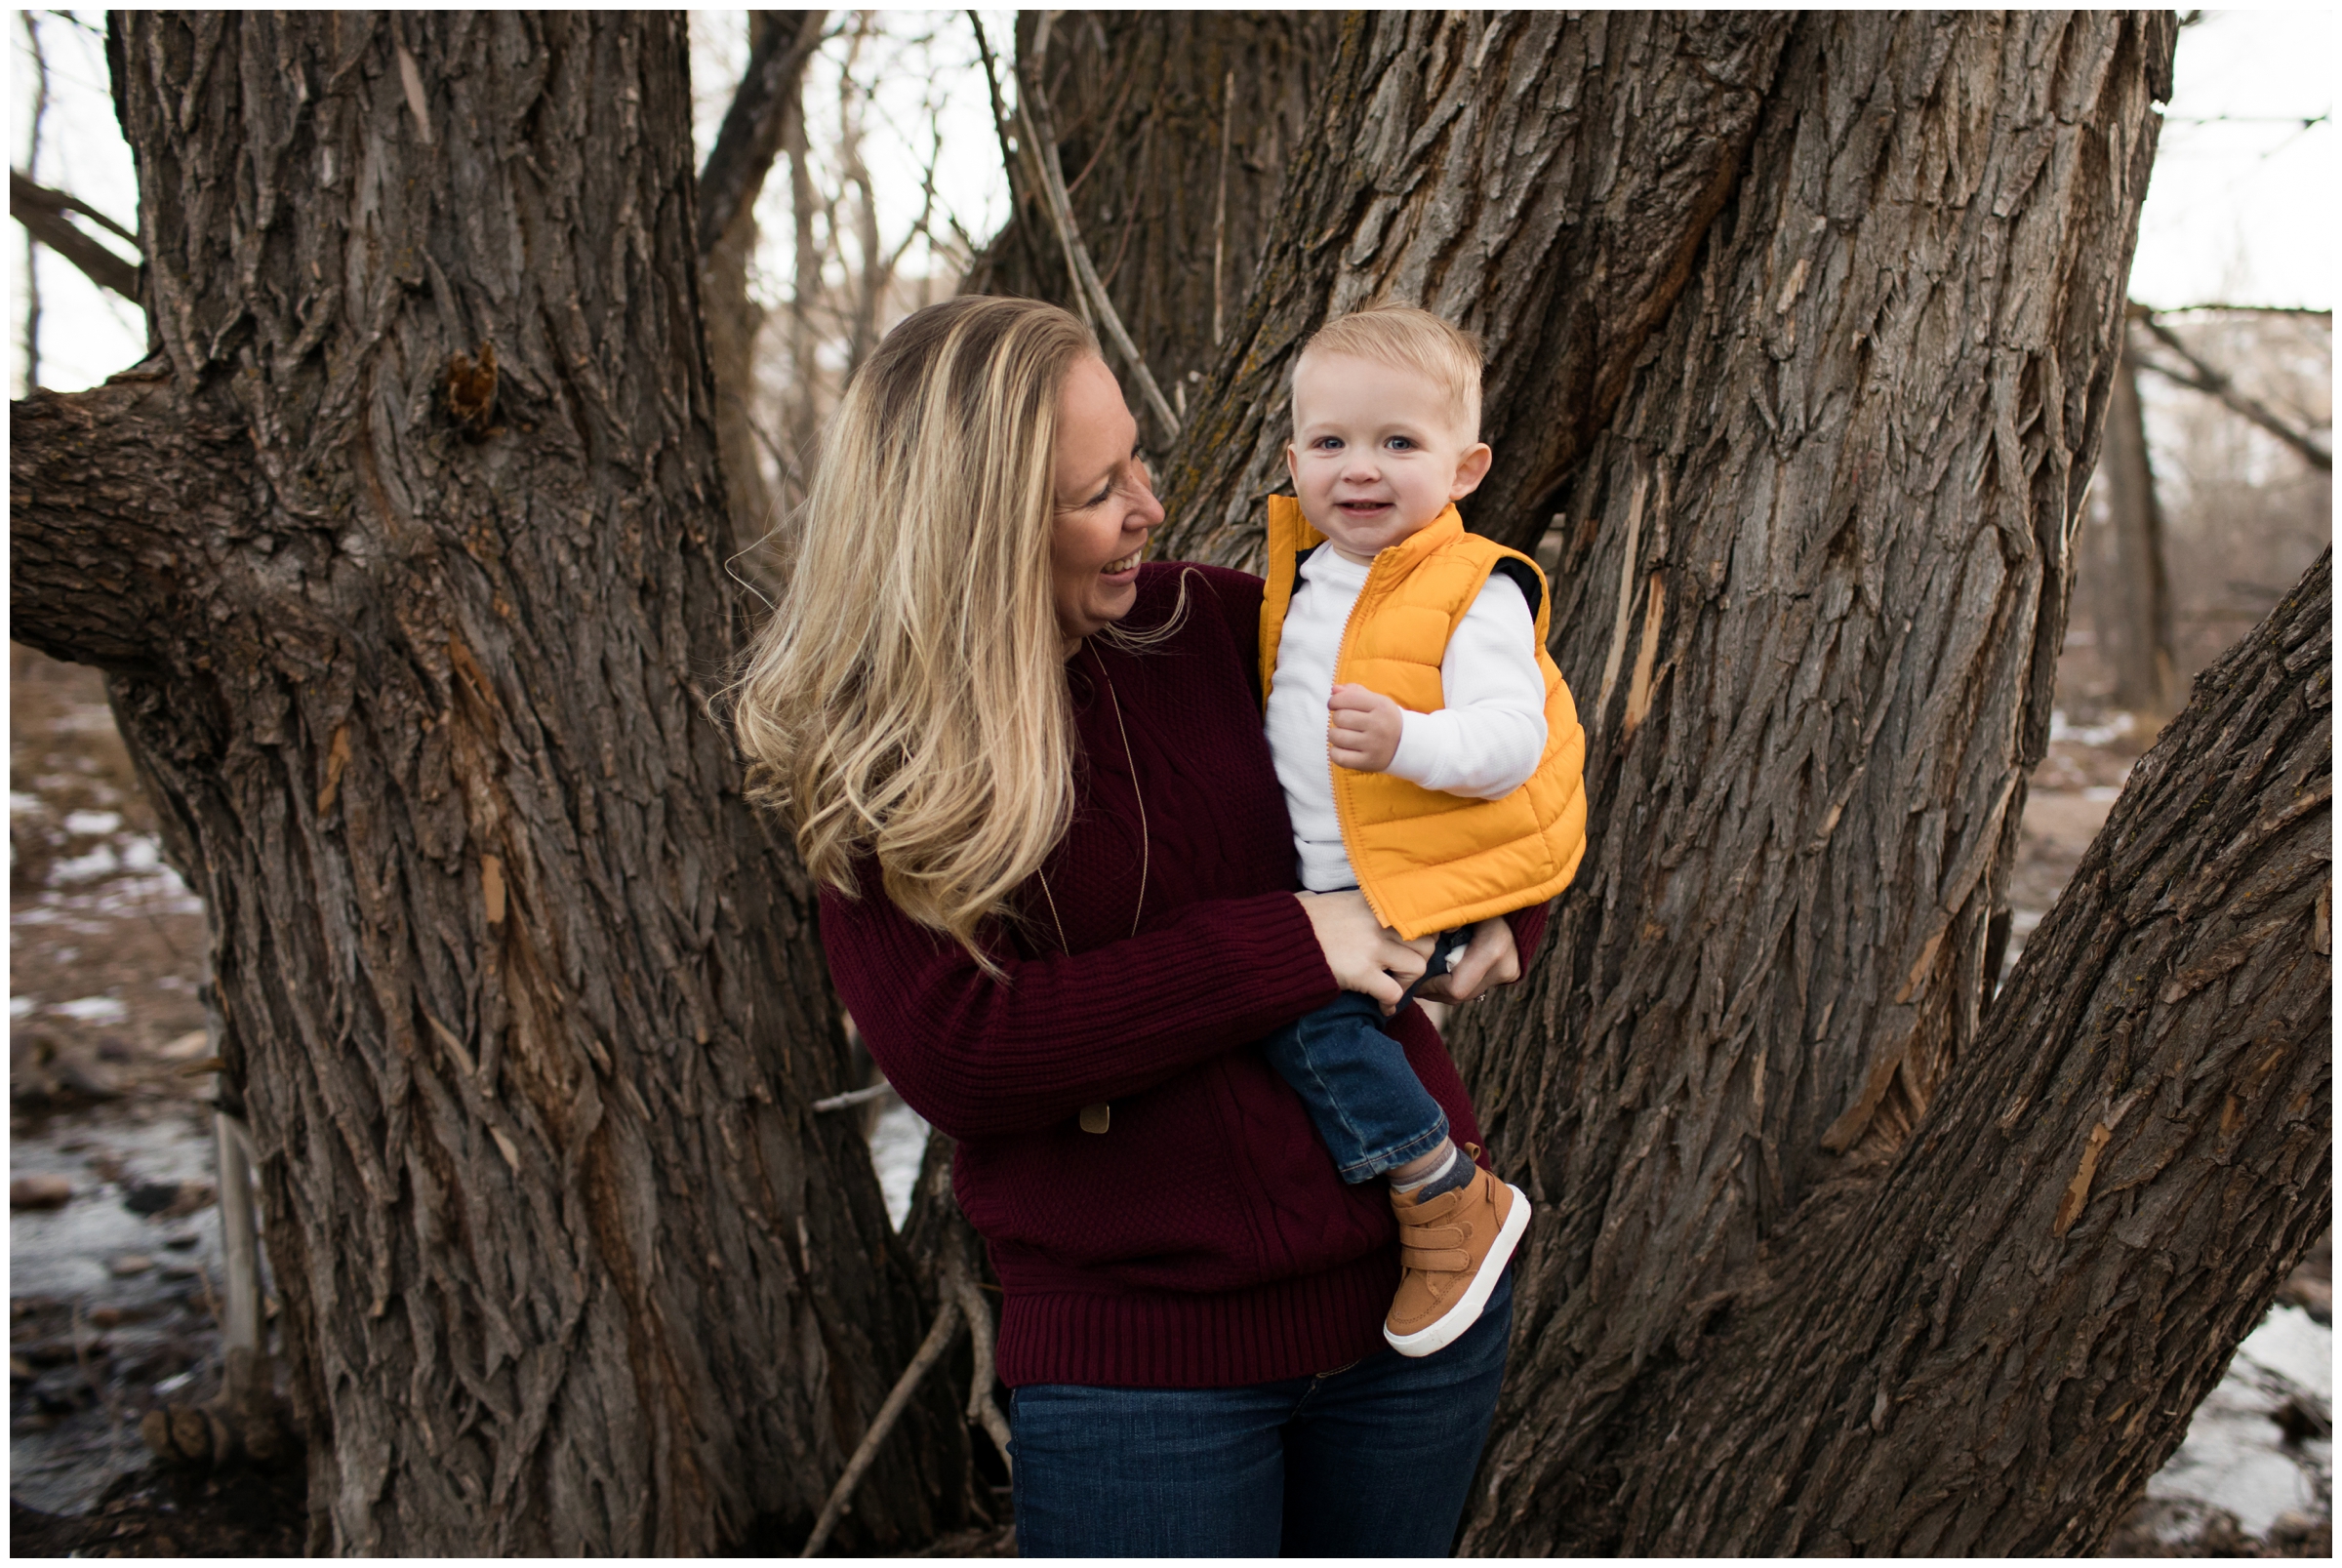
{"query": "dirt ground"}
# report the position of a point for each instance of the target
(114, 1283)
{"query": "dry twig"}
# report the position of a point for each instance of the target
(2207, 379)
(939, 1340)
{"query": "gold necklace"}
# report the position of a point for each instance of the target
(1146, 847)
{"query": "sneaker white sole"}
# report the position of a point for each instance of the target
(1444, 1330)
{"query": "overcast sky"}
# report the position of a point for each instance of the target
(2242, 207)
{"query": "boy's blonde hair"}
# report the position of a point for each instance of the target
(1404, 338)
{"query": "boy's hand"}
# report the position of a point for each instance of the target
(1490, 961)
(1363, 733)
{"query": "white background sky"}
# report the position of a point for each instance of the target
(2242, 207)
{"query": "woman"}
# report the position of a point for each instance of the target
(1058, 898)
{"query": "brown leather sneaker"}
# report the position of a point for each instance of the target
(1453, 1249)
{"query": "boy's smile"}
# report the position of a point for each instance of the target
(1378, 452)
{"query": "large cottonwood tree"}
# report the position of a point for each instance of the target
(404, 557)
(1802, 331)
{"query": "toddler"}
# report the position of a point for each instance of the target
(1430, 757)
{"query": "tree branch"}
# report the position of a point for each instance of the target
(1040, 143)
(2155, 1083)
(751, 135)
(108, 491)
(42, 211)
(2205, 378)
(2217, 307)
(939, 1336)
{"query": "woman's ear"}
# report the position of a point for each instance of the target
(1471, 469)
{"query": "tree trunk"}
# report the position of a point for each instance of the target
(1802, 333)
(766, 111)
(1986, 1344)
(1542, 177)
(1174, 128)
(2134, 595)
(404, 560)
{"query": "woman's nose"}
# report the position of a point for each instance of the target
(1144, 503)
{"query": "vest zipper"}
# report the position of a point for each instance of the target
(1345, 814)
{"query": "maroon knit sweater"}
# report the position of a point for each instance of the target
(1204, 1239)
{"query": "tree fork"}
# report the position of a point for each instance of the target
(1543, 179)
(1808, 507)
(405, 562)
(1928, 1365)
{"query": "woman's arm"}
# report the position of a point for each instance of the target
(982, 1057)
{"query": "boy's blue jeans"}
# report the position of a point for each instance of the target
(1365, 1100)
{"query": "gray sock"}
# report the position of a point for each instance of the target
(1456, 1172)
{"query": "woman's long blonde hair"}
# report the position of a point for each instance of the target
(908, 700)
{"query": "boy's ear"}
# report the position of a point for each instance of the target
(1470, 469)
(1293, 467)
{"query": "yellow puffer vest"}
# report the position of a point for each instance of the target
(1427, 861)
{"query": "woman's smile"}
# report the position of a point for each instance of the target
(1103, 504)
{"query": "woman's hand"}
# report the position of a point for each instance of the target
(1488, 960)
(1363, 955)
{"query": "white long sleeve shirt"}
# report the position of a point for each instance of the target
(1484, 742)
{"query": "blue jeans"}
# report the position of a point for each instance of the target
(1366, 1102)
(1372, 1460)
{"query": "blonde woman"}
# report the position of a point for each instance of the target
(1058, 895)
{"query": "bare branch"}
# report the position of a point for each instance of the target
(32, 160)
(112, 493)
(2217, 309)
(939, 1340)
(1228, 97)
(42, 211)
(752, 132)
(1040, 140)
(2210, 380)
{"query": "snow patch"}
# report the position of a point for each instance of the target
(93, 1009)
(898, 1144)
(2121, 724)
(2235, 1456)
(97, 863)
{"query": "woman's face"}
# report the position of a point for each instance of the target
(1104, 508)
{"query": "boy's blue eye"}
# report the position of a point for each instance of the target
(1400, 443)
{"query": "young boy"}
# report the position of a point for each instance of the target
(1430, 753)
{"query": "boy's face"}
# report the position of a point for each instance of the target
(1377, 453)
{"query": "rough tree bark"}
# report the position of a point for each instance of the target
(1174, 128)
(1803, 332)
(1543, 179)
(404, 560)
(1988, 1344)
